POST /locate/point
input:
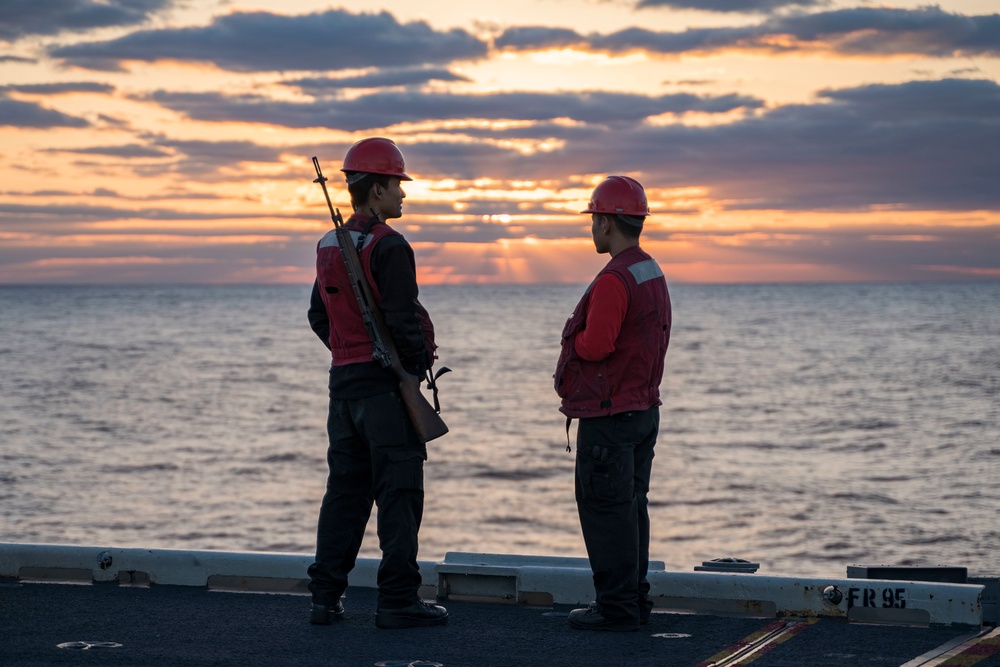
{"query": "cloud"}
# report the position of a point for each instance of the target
(201, 158)
(172, 193)
(193, 158)
(926, 31)
(947, 100)
(745, 6)
(14, 113)
(911, 145)
(127, 151)
(859, 31)
(59, 88)
(19, 18)
(266, 42)
(914, 146)
(320, 86)
(69, 216)
(528, 38)
(383, 109)
(876, 252)
(536, 130)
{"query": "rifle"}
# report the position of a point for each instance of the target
(424, 417)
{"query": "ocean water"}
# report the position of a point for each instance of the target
(804, 427)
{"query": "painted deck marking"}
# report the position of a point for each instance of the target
(758, 643)
(962, 651)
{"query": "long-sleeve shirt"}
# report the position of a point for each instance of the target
(605, 314)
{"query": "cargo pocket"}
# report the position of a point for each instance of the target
(406, 469)
(606, 474)
(395, 446)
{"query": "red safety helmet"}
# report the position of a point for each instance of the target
(376, 156)
(618, 195)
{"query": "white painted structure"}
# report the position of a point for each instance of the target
(526, 579)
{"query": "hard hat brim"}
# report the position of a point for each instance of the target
(633, 213)
(399, 174)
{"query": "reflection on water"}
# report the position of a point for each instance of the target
(803, 427)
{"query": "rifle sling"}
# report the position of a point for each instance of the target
(366, 229)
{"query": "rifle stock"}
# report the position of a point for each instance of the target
(425, 419)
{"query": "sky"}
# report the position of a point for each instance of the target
(170, 141)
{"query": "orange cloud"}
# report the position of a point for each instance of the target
(527, 260)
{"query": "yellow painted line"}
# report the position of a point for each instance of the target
(758, 643)
(971, 652)
(939, 654)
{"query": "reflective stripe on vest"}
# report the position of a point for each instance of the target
(646, 270)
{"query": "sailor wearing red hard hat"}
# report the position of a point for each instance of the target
(374, 453)
(608, 376)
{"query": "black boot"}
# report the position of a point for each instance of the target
(592, 619)
(322, 614)
(418, 615)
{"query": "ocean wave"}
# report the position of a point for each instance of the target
(518, 475)
(860, 447)
(841, 425)
(878, 498)
(140, 468)
(925, 540)
(288, 457)
(507, 520)
(249, 472)
(696, 502)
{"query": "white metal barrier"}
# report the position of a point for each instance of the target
(528, 579)
(215, 569)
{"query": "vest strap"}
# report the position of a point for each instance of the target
(366, 229)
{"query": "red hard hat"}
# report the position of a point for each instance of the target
(618, 195)
(376, 156)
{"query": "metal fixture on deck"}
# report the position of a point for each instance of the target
(728, 564)
(832, 595)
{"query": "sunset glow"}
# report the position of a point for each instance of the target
(160, 141)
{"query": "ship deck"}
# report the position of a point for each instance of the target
(182, 625)
(91, 605)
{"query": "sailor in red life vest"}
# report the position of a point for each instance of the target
(374, 453)
(608, 376)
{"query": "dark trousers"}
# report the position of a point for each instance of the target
(374, 456)
(614, 458)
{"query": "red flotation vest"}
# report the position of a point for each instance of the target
(629, 378)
